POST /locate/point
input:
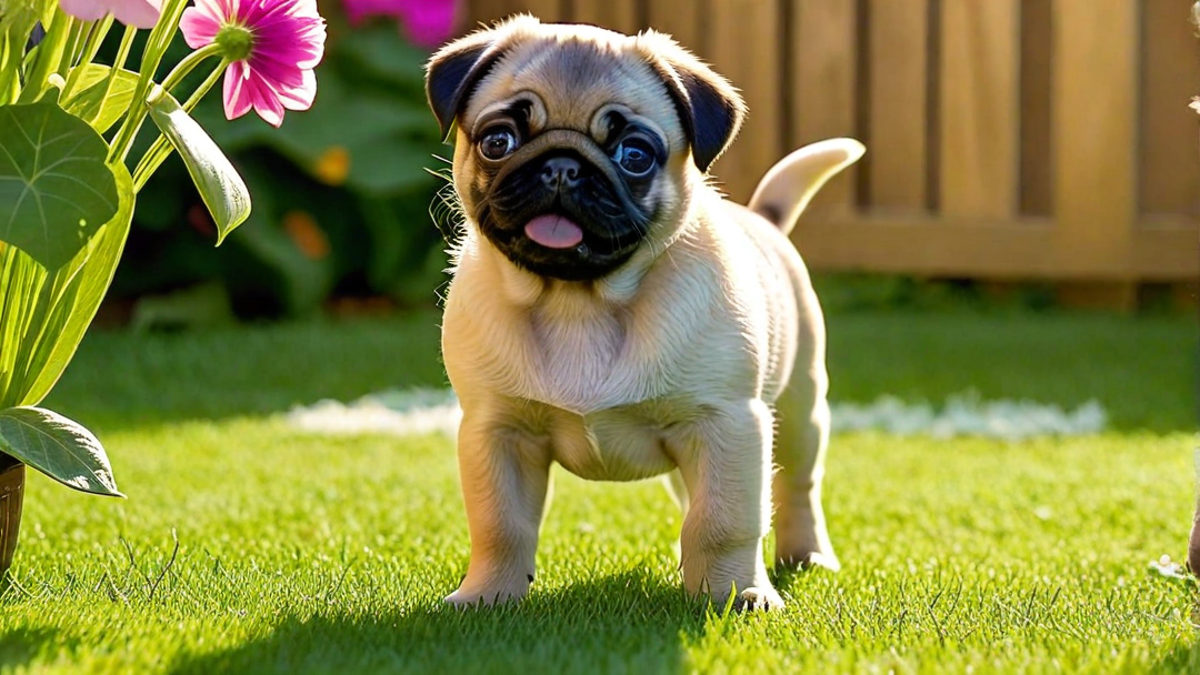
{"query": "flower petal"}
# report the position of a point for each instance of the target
(265, 100)
(88, 10)
(289, 41)
(428, 23)
(199, 29)
(237, 99)
(301, 97)
(220, 11)
(357, 10)
(138, 13)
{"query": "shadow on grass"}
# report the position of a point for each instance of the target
(19, 646)
(1182, 659)
(624, 623)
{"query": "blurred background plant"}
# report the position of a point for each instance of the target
(342, 194)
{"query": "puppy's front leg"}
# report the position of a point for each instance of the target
(726, 465)
(505, 477)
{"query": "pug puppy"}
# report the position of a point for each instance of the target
(611, 312)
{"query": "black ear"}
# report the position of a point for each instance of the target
(457, 67)
(715, 118)
(709, 107)
(451, 72)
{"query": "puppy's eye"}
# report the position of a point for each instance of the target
(634, 156)
(498, 143)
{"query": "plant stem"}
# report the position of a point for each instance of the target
(74, 42)
(49, 54)
(9, 64)
(119, 62)
(161, 149)
(156, 47)
(123, 50)
(90, 47)
(188, 64)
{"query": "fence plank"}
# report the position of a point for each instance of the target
(487, 11)
(978, 108)
(824, 83)
(743, 44)
(546, 10)
(682, 20)
(1036, 182)
(1015, 249)
(897, 165)
(619, 15)
(1095, 135)
(1169, 166)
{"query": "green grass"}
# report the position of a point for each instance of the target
(305, 554)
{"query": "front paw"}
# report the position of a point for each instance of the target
(469, 595)
(758, 598)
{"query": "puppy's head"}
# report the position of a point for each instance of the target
(576, 146)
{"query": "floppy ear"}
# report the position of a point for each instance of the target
(709, 107)
(452, 71)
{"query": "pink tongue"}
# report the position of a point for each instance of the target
(554, 231)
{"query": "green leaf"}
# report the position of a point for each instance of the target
(80, 286)
(306, 281)
(58, 447)
(222, 189)
(55, 189)
(94, 101)
(389, 142)
(21, 14)
(375, 52)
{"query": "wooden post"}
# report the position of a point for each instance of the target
(1095, 147)
(824, 87)
(979, 109)
(897, 164)
(618, 15)
(682, 20)
(743, 45)
(1169, 168)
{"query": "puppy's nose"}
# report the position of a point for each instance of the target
(560, 172)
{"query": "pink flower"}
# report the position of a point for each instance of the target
(427, 23)
(272, 46)
(137, 13)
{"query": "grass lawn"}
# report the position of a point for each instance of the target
(247, 546)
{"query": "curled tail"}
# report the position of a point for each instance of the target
(788, 186)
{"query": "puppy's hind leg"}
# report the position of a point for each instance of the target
(802, 412)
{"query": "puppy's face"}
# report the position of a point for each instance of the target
(576, 145)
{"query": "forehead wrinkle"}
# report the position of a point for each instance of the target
(575, 77)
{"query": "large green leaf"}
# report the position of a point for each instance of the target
(58, 447)
(222, 189)
(55, 189)
(95, 101)
(75, 293)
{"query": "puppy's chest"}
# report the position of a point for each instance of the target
(620, 444)
(582, 365)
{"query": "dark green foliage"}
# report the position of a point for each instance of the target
(342, 193)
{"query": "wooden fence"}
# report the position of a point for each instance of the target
(1007, 139)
